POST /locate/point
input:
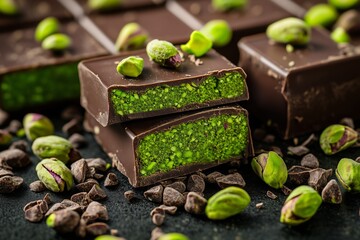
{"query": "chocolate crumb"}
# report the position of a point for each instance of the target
(271, 195)
(155, 194)
(20, 144)
(195, 183)
(211, 178)
(37, 186)
(319, 178)
(97, 229)
(47, 198)
(79, 170)
(97, 193)
(34, 214)
(179, 186)
(332, 192)
(82, 198)
(87, 185)
(310, 161)
(156, 233)
(15, 158)
(158, 219)
(259, 205)
(172, 197)
(299, 175)
(111, 180)
(286, 190)
(234, 179)
(14, 127)
(298, 150)
(195, 203)
(129, 195)
(73, 126)
(9, 184)
(169, 209)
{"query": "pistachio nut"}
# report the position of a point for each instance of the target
(54, 175)
(349, 21)
(289, 31)
(271, 168)
(226, 203)
(37, 125)
(339, 35)
(5, 137)
(56, 42)
(163, 53)
(348, 174)
(198, 44)
(8, 7)
(225, 5)
(45, 28)
(321, 15)
(218, 31)
(56, 147)
(131, 37)
(173, 236)
(104, 5)
(131, 66)
(300, 205)
(336, 138)
(344, 4)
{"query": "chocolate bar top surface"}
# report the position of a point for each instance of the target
(20, 50)
(153, 74)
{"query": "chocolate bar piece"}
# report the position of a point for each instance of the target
(155, 149)
(304, 90)
(124, 5)
(111, 97)
(30, 75)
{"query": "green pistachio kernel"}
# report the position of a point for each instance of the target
(348, 174)
(321, 15)
(131, 37)
(108, 237)
(131, 66)
(173, 236)
(225, 5)
(163, 53)
(56, 42)
(8, 7)
(5, 137)
(289, 31)
(271, 168)
(344, 4)
(301, 205)
(54, 174)
(336, 138)
(37, 125)
(45, 28)
(339, 35)
(226, 203)
(218, 31)
(104, 5)
(198, 44)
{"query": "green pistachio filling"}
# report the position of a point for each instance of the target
(39, 86)
(218, 138)
(230, 85)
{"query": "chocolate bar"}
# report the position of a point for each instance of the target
(304, 90)
(111, 97)
(151, 150)
(124, 5)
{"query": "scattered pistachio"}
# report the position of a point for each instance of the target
(348, 174)
(300, 205)
(173, 236)
(104, 5)
(336, 138)
(163, 53)
(198, 44)
(131, 37)
(349, 21)
(289, 31)
(226, 203)
(5, 137)
(131, 66)
(56, 42)
(218, 31)
(45, 28)
(339, 35)
(225, 5)
(344, 4)
(8, 7)
(54, 175)
(37, 125)
(321, 15)
(271, 168)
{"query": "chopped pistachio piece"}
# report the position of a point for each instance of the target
(198, 44)
(131, 66)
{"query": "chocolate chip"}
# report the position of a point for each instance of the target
(71, 205)
(310, 161)
(111, 180)
(155, 194)
(286, 190)
(179, 186)
(234, 179)
(158, 219)
(211, 178)
(169, 209)
(78, 141)
(298, 150)
(87, 185)
(348, 122)
(157, 210)
(129, 195)
(47, 198)
(95, 211)
(14, 126)
(54, 208)
(98, 176)
(97, 229)
(37, 186)
(259, 205)
(319, 178)
(195, 203)
(9, 184)
(73, 126)
(172, 197)
(81, 198)
(332, 193)
(65, 221)
(14, 158)
(5, 172)
(195, 183)
(79, 170)
(98, 163)
(34, 214)
(299, 175)
(96, 193)
(30, 205)
(271, 195)
(21, 145)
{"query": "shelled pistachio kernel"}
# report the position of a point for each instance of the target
(8, 7)
(131, 37)
(56, 42)
(198, 44)
(218, 31)
(37, 125)
(344, 4)
(131, 66)
(336, 138)
(173, 236)
(226, 203)
(321, 15)
(103, 5)
(348, 174)
(339, 35)
(289, 31)
(163, 53)
(225, 5)
(302, 203)
(45, 28)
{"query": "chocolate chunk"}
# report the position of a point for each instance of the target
(79, 170)
(299, 175)
(298, 150)
(277, 150)
(169, 209)
(195, 203)
(65, 221)
(271, 195)
(234, 179)
(71, 205)
(211, 177)
(37, 186)
(310, 161)
(155, 194)
(87, 185)
(97, 229)
(98, 176)
(78, 141)
(30, 205)
(157, 210)
(81, 198)
(9, 184)
(129, 195)
(286, 190)
(73, 126)
(95, 211)
(195, 184)
(172, 197)
(98, 163)
(47, 198)
(34, 214)
(54, 208)
(96, 193)
(21, 145)
(179, 186)
(332, 192)
(14, 158)
(111, 180)
(158, 219)
(319, 178)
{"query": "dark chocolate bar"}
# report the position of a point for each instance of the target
(304, 90)
(151, 150)
(111, 98)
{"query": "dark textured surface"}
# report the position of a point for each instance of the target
(133, 219)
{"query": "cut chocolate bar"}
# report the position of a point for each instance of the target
(155, 149)
(304, 90)
(111, 97)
